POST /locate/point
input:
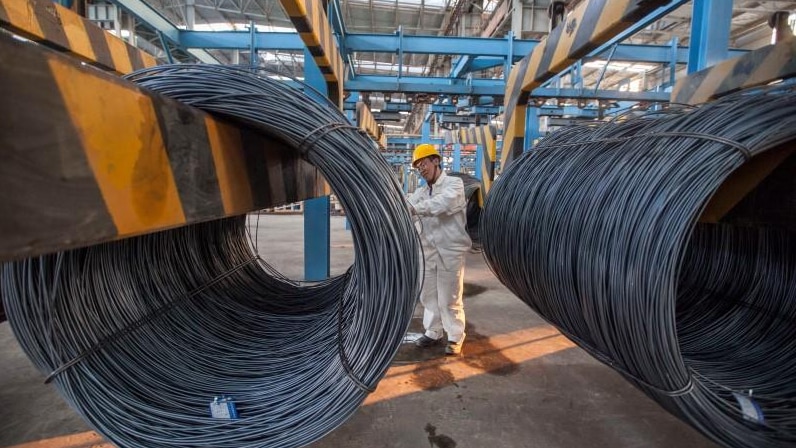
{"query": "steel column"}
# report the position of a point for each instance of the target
(531, 127)
(316, 211)
(710, 33)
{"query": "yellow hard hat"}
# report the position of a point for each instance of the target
(424, 150)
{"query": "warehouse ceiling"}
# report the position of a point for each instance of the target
(489, 18)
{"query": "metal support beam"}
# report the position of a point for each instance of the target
(57, 27)
(419, 84)
(648, 19)
(149, 17)
(78, 132)
(309, 16)
(567, 111)
(486, 110)
(759, 67)
(253, 58)
(397, 107)
(190, 14)
(443, 109)
(413, 141)
(317, 233)
(489, 52)
(241, 40)
(165, 44)
(593, 22)
(482, 87)
(531, 128)
(710, 33)
(478, 46)
(456, 162)
(367, 122)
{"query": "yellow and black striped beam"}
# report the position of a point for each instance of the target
(51, 24)
(486, 137)
(753, 195)
(590, 24)
(367, 123)
(759, 193)
(310, 20)
(88, 157)
(755, 68)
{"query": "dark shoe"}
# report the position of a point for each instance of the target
(426, 342)
(453, 348)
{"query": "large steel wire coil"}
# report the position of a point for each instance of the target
(141, 335)
(597, 230)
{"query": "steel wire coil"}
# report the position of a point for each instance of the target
(596, 229)
(140, 335)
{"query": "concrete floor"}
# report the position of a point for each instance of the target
(519, 384)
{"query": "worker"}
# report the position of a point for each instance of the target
(439, 206)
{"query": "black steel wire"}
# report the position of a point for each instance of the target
(597, 230)
(141, 334)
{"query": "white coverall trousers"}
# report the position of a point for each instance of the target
(443, 306)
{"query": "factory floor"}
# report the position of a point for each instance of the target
(518, 384)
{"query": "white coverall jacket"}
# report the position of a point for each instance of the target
(441, 210)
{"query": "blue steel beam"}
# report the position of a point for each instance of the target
(469, 64)
(443, 109)
(154, 20)
(317, 229)
(655, 54)
(478, 46)
(397, 107)
(489, 87)
(462, 66)
(485, 110)
(568, 111)
(419, 84)
(710, 33)
(613, 95)
(240, 40)
(414, 140)
(489, 56)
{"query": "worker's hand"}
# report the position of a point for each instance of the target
(411, 208)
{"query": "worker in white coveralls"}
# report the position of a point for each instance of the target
(440, 207)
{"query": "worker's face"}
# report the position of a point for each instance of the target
(428, 168)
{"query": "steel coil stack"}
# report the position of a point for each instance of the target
(597, 229)
(141, 335)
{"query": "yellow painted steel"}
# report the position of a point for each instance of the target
(312, 23)
(367, 123)
(76, 34)
(758, 67)
(233, 180)
(129, 162)
(119, 54)
(46, 21)
(486, 137)
(591, 23)
(22, 17)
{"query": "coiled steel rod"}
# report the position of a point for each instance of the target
(141, 334)
(597, 230)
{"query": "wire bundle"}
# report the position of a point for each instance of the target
(597, 230)
(141, 335)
